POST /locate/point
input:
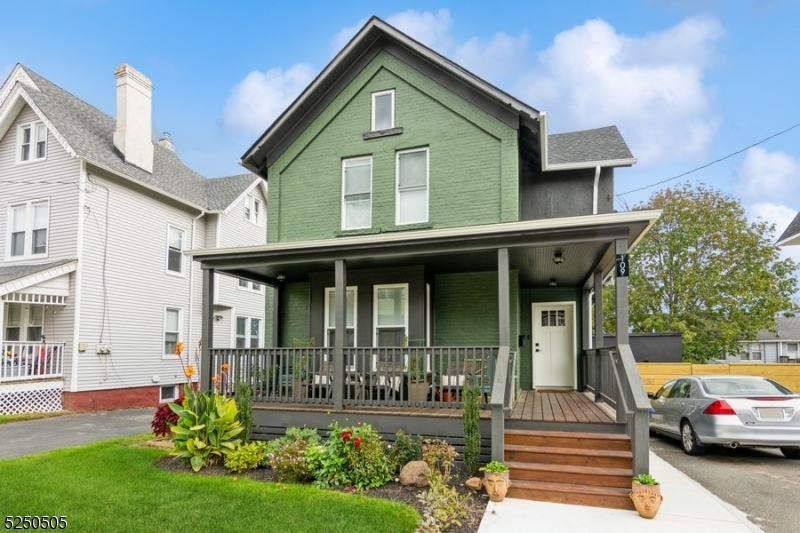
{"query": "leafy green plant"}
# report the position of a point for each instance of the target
(290, 463)
(244, 402)
(494, 467)
(472, 434)
(440, 456)
(163, 419)
(354, 456)
(442, 505)
(406, 448)
(416, 367)
(645, 479)
(247, 457)
(207, 428)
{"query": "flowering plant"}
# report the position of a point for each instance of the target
(188, 368)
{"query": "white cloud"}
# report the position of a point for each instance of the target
(781, 216)
(260, 97)
(651, 87)
(767, 175)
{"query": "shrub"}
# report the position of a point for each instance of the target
(442, 505)
(244, 402)
(472, 434)
(405, 449)
(207, 428)
(440, 456)
(355, 456)
(289, 461)
(248, 457)
(163, 419)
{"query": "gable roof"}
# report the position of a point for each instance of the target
(89, 133)
(605, 147)
(16, 277)
(787, 329)
(791, 235)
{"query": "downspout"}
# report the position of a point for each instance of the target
(191, 284)
(595, 190)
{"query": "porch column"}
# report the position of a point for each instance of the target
(621, 285)
(2, 330)
(341, 334)
(586, 335)
(503, 297)
(598, 330)
(207, 329)
(276, 310)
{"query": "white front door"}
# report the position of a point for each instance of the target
(554, 345)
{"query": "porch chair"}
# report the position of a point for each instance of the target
(322, 379)
(388, 379)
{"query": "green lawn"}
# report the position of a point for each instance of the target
(4, 419)
(114, 486)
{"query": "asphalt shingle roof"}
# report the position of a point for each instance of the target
(12, 272)
(601, 144)
(788, 329)
(793, 229)
(90, 132)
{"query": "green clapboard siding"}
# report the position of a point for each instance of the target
(528, 297)
(473, 158)
(466, 309)
(294, 320)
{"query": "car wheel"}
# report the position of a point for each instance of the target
(689, 440)
(791, 452)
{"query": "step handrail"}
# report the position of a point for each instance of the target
(502, 388)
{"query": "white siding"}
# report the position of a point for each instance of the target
(124, 299)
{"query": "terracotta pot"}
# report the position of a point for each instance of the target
(646, 499)
(496, 485)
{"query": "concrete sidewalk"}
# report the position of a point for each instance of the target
(687, 507)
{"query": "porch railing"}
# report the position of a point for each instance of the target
(22, 361)
(432, 376)
(612, 375)
(503, 395)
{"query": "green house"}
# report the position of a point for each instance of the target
(423, 226)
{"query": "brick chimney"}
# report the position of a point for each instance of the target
(133, 136)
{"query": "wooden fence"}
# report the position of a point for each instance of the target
(656, 374)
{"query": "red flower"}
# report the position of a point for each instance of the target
(357, 442)
(346, 435)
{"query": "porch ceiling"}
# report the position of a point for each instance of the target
(586, 244)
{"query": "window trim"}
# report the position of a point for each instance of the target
(30, 214)
(34, 142)
(164, 330)
(375, 326)
(165, 399)
(168, 270)
(343, 198)
(250, 286)
(252, 213)
(373, 97)
(397, 190)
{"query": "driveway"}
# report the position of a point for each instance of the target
(33, 436)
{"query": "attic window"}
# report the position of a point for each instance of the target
(383, 110)
(32, 139)
(252, 209)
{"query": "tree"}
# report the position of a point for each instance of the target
(703, 270)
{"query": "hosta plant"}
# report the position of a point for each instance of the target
(207, 429)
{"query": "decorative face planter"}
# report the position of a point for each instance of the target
(647, 502)
(496, 485)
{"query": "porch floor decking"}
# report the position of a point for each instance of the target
(531, 406)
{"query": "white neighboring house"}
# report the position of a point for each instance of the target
(94, 219)
(779, 346)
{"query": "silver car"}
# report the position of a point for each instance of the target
(728, 410)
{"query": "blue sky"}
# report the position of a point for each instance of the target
(687, 82)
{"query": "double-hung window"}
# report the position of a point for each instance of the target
(330, 316)
(250, 285)
(32, 141)
(357, 193)
(391, 314)
(253, 209)
(412, 186)
(172, 329)
(28, 228)
(383, 110)
(175, 241)
(248, 332)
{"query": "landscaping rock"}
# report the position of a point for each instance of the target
(415, 473)
(474, 483)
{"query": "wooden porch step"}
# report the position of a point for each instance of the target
(568, 439)
(573, 474)
(610, 497)
(569, 456)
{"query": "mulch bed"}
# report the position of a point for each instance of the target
(392, 491)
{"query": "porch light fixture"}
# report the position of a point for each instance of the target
(552, 282)
(558, 258)
(281, 276)
(217, 318)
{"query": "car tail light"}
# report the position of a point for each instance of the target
(719, 407)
